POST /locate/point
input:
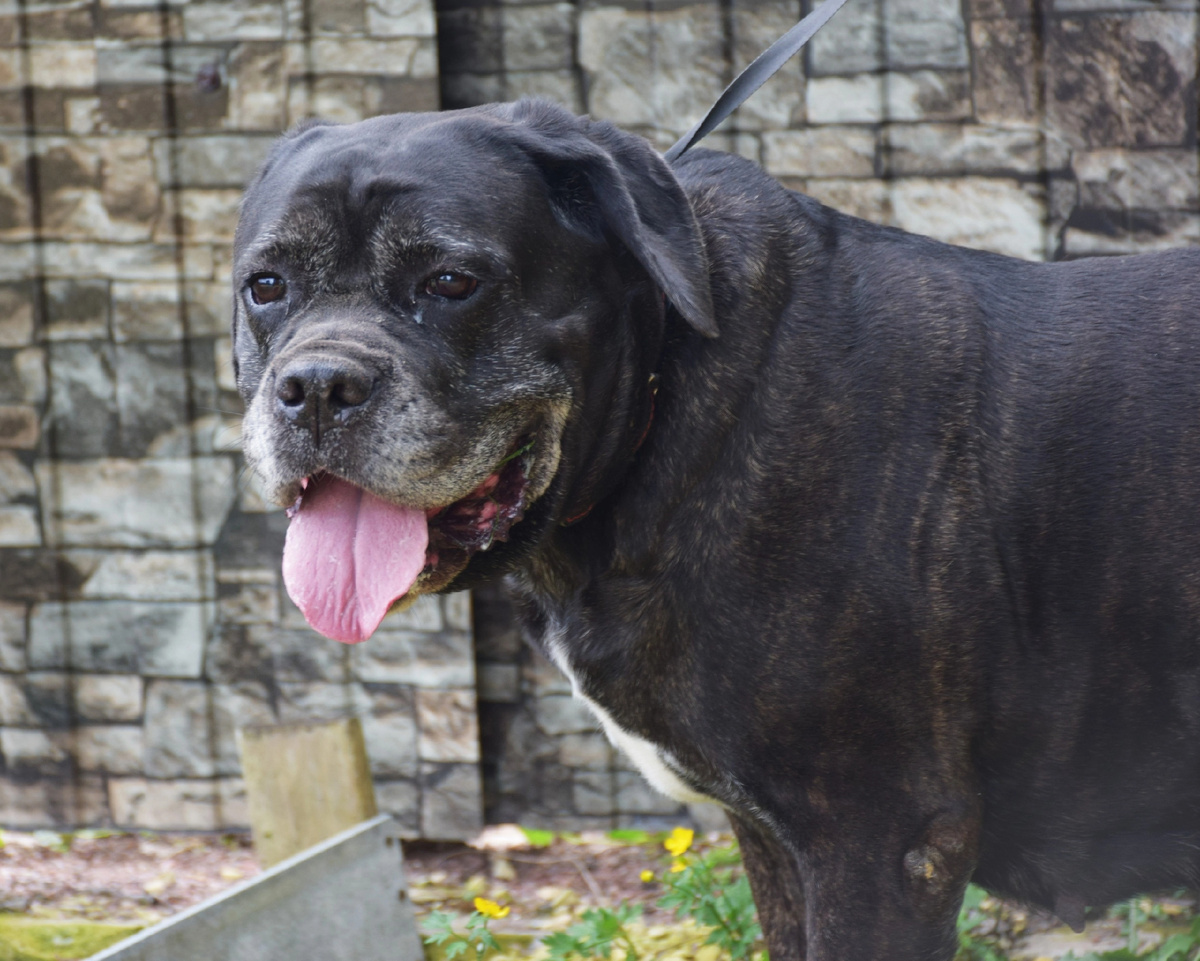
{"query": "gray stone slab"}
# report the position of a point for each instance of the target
(342, 900)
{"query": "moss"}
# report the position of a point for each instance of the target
(28, 939)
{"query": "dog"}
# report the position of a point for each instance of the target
(890, 547)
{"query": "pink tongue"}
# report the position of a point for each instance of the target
(349, 555)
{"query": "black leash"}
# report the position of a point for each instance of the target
(755, 75)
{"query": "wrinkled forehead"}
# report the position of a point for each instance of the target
(442, 185)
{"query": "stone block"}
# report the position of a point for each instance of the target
(779, 103)
(392, 745)
(585, 751)
(257, 87)
(1120, 6)
(413, 657)
(922, 95)
(562, 714)
(538, 36)
(406, 56)
(561, 86)
(249, 604)
(144, 575)
(1003, 216)
(73, 801)
(636, 796)
(119, 204)
(218, 160)
(820, 152)
(592, 793)
(127, 503)
(321, 700)
(178, 805)
(709, 818)
(449, 730)
(868, 199)
(108, 697)
(156, 639)
(19, 428)
(545, 678)
(425, 614)
(660, 69)
(1121, 179)
(226, 21)
(499, 683)
(16, 480)
(1092, 232)
(402, 95)
(456, 609)
(451, 801)
(205, 215)
(146, 311)
(402, 800)
(14, 706)
(63, 64)
(19, 527)
(16, 315)
(345, 17)
(30, 752)
(891, 34)
(400, 18)
(39, 699)
(179, 736)
(76, 309)
(110, 749)
(125, 261)
(1115, 80)
(23, 376)
(12, 639)
(299, 655)
(17, 260)
(957, 150)
(1004, 70)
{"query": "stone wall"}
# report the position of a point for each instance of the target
(1044, 130)
(141, 615)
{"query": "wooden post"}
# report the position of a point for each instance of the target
(305, 783)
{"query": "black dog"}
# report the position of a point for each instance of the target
(901, 563)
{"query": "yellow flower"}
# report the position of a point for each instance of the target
(647, 875)
(679, 841)
(677, 866)
(490, 909)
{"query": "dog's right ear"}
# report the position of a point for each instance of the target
(602, 178)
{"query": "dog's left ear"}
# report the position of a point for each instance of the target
(595, 170)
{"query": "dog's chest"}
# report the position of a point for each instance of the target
(656, 764)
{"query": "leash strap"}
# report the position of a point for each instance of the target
(755, 75)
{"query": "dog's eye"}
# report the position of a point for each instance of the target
(267, 288)
(452, 286)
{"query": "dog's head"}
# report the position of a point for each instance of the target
(443, 330)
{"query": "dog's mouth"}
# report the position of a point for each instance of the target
(351, 556)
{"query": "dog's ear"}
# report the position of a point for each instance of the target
(602, 177)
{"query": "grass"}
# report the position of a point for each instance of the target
(35, 939)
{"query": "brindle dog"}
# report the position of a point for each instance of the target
(891, 547)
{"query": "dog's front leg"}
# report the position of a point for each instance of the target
(887, 884)
(862, 888)
(778, 889)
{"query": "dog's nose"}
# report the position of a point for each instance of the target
(320, 395)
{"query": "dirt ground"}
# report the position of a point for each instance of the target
(142, 878)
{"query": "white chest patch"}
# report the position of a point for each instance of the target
(657, 765)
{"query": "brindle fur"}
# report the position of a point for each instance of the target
(906, 572)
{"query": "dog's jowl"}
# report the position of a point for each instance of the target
(891, 547)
